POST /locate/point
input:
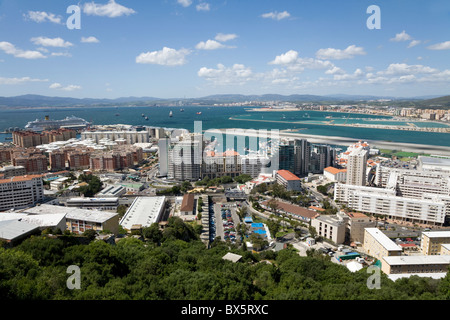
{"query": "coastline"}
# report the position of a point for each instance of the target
(370, 126)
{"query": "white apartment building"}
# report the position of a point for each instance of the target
(356, 166)
(21, 191)
(163, 154)
(330, 227)
(431, 209)
(185, 158)
(130, 137)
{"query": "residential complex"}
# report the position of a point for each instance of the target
(432, 242)
(20, 191)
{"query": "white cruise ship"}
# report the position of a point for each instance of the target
(71, 122)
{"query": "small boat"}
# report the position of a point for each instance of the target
(199, 113)
(146, 118)
(181, 110)
(170, 114)
(143, 115)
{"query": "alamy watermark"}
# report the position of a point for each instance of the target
(74, 280)
(74, 20)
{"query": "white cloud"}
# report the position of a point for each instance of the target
(294, 63)
(58, 86)
(238, 74)
(209, 45)
(42, 16)
(335, 71)
(286, 58)
(166, 57)
(402, 36)
(55, 86)
(51, 42)
(345, 76)
(225, 37)
(13, 81)
(185, 3)
(111, 9)
(89, 40)
(414, 43)
(440, 46)
(203, 6)
(60, 54)
(9, 48)
(405, 69)
(276, 15)
(338, 54)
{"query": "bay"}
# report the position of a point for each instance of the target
(232, 117)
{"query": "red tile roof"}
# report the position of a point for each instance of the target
(287, 175)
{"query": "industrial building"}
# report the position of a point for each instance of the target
(143, 212)
(79, 220)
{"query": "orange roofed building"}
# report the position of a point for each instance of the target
(334, 174)
(289, 180)
(21, 191)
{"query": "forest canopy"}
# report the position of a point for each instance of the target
(174, 265)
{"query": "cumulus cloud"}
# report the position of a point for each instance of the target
(185, 3)
(414, 43)
(338, 54)
(51, 42)
(224, 37)
(13, 81)
(286, 58)
(406, 69)
(58, 86)
(60, 54)
(440, 46)
(111, 9)
(89, 40)
(276, 15)
(294, 63)
(11, 49)
(203, 6)
(402, 36)
(210, 45)
(235, 75)
(42, 16)
(165, 57)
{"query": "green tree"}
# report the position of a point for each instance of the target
(153, 233)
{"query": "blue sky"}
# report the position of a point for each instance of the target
(194, 48)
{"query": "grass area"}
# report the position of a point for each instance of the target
(401, 154)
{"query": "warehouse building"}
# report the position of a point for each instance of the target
(143, 212)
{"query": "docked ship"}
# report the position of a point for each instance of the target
(71, 122)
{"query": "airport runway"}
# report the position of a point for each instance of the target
(344, 141)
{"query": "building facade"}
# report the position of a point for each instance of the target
(21, 191)
(378, 245)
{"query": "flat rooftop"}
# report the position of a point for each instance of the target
(383, 239)
(73, 213)
(13, 229)
(417, 260)
(143, 211)
(437, 234)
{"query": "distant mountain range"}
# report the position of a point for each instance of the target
(30, 100)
